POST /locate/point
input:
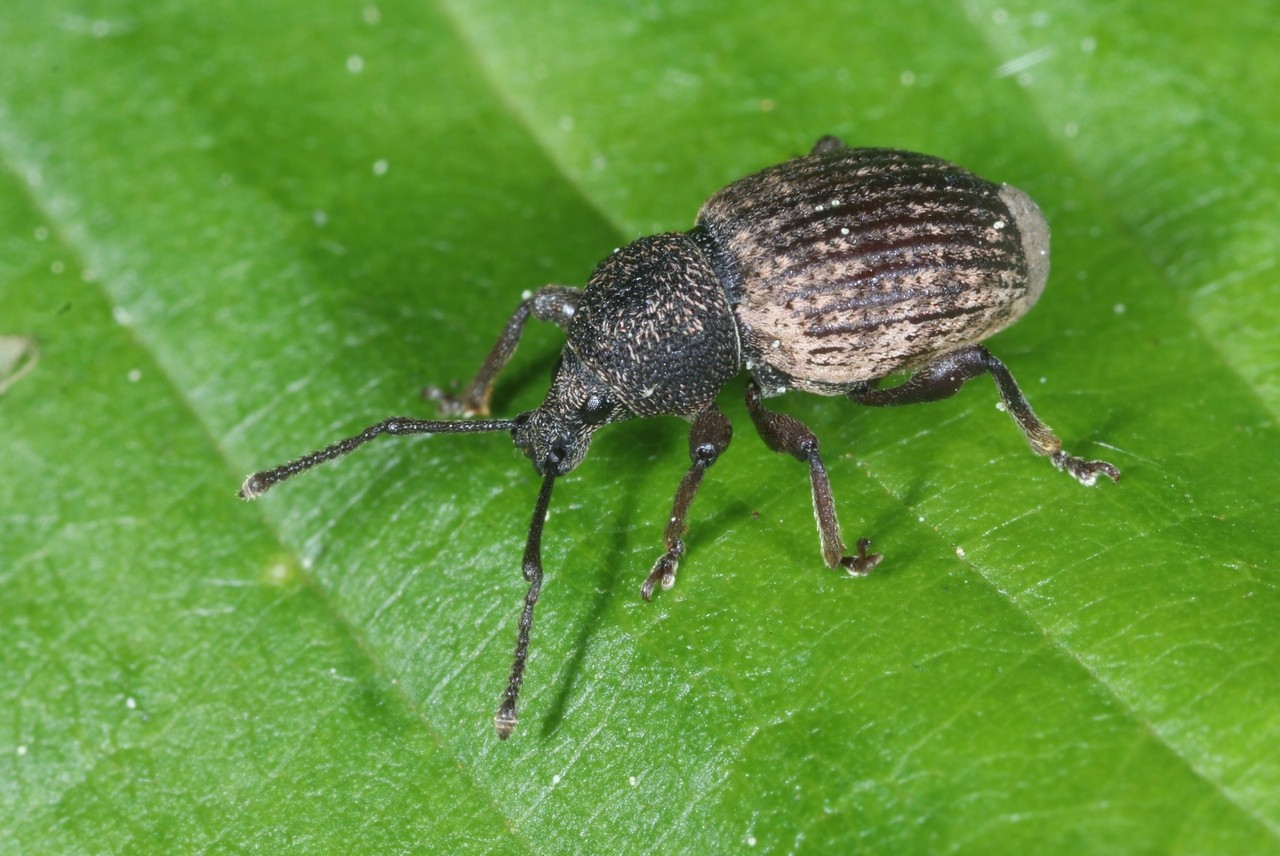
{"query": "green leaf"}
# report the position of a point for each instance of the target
(230, 233)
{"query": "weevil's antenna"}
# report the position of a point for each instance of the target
(505, 720)
(261, 482)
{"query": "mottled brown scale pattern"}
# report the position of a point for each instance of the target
(851, 265)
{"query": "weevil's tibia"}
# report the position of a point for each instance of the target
(553, 303)
(709, 436)
(261, 482)
(505, 720)
(943, 378)
(789, 436)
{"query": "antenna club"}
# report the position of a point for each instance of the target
(254, 486)
(504, 723)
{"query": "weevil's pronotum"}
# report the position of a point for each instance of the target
(826, 273)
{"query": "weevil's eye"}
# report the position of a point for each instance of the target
(597, 410)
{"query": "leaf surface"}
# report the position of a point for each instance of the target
(235, 234)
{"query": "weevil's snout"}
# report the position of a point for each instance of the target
(557, 434)
(554, 444)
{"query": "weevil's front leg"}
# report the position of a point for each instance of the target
(554, 303)
(708, 438)
(943, 377)
(789, 436)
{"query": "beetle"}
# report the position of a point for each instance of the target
(827, 273)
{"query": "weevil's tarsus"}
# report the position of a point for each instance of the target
(943, 378)
(1085, 472)
(709, 436)
(552, 303)
(787, 435)
(263, 480)
(861, 563)
(506, 718)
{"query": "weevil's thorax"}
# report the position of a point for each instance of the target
(654, 325)
(850, 265)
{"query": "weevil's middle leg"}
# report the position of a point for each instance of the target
(709, 436)
(553, 303)
(788, 435)
(943, 378)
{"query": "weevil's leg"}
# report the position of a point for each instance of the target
(943, 377)
(505, 720)
(708, 438)
(787, 435)
(554, 303)
(829, 143)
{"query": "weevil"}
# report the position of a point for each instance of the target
(827, 273)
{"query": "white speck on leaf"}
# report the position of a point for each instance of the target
(1020, 64)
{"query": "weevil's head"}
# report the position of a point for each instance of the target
(557, 434)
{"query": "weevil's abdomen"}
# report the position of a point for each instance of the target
(854, 264)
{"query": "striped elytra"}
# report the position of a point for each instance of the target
(849, 265)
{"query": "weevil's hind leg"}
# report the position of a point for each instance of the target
(828, 144)
(787, 435)
(943, 377)
(553, 303)
(709, 436)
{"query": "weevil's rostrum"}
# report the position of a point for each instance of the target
(827, 273)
